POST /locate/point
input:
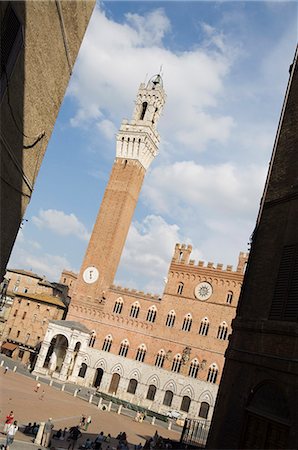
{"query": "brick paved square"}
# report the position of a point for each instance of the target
(17, 394)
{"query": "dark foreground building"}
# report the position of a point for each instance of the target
(257, 404)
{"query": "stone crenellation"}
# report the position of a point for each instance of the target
(182, 253)
(136, 293)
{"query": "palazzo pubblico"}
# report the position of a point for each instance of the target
(161, 352)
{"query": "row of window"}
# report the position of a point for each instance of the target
(222, 332)
(160, 358)
(229, 296)
(27, 337)
(151, 392)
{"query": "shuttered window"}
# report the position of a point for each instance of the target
(285, 299)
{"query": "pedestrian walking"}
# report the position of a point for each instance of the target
(47, 433)
(8, 421)
(88, 421)
(37, 387)
(11, 431)
(82, 421)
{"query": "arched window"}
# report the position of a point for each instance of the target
(144, 107)
(134, 310)
(132, 386)
(222, 332)
(141, 352)
(168, 398)
(124, 346)
(160, 359)
(204, 327)
(185, 404)
(194, 368)
(107, 343)
(82, 371)
(180, 288)
(171, 319)
(212, 373)
(204, 409)
(229, 297)
(118, 306)
(187, 323)
(92, 339)
(151, 314)
(176, 365)
(151, 392)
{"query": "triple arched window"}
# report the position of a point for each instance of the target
(212, 373)
(171, 319)
(194, 368)
(107, 343)
(187, 322)
(151, 314)
(124, 346)
(222, 332)
(141, 352)
(204, 327)
(177, 363)
(134, 310)
(160, 358)
(118, 306)
(92, 339)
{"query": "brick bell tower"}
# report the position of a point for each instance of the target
(136, 147)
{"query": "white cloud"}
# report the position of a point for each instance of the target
(150, 28)
(224, 188)
(29, 255)
(61, 223)
(193, 79)
(107, 128)
(148, 251)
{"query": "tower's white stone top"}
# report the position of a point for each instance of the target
(138, 139)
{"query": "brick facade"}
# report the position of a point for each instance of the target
(257, 402)
(159, 351)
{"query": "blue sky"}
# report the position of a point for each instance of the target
(225, 70)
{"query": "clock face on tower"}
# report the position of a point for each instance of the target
(90, 275)
(203, 291)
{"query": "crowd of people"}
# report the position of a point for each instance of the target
(74, 433)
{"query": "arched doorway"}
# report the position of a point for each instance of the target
(204, 409)
(151, 392)
(56, 353)
(132, 386)
(185, 404)
(266, 424)
(114, 383)
(98, 377)
(82, 371)
(168, 398)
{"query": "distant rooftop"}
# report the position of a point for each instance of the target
(26, 272)
(71, 324)
(44, 298)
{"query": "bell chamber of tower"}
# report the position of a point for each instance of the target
(136, 147)
(138, 139)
